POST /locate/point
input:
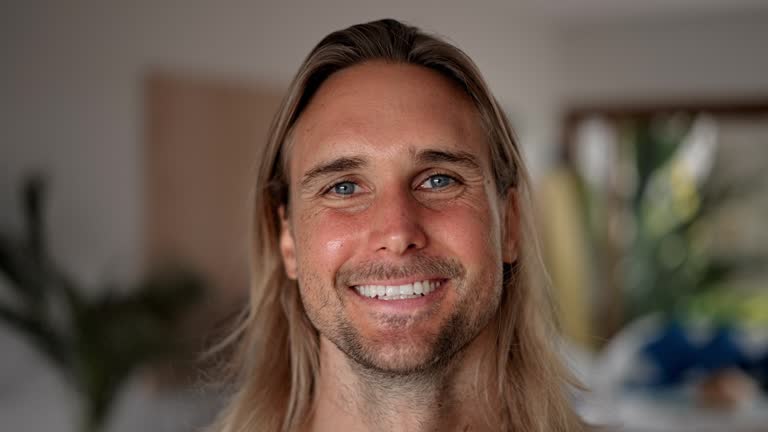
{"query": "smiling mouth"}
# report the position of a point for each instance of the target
(398, 292)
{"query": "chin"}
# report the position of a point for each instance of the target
(401, 360)
(398, 355)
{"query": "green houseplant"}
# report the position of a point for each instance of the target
(652, 224)
(95, 341)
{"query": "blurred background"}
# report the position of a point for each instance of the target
(129, 133)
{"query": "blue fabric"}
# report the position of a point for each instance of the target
(674, 355)
(722, 352)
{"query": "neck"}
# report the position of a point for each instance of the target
(351, 397)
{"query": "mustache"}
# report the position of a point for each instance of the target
(417, 265)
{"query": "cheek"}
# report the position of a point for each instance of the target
(322, 245)
(324, 242)
(472, 232)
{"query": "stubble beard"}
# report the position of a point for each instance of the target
(419, 356)
(409, 358)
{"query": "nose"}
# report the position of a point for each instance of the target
(396, 225)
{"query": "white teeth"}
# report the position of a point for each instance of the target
(418, 288)
(398, 292)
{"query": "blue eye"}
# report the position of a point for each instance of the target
(345, 188)
(438, 181)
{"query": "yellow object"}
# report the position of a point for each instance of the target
(566, 253)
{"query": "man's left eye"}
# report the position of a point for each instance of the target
(438, 181)
(345, 188)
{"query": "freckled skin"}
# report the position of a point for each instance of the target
(386, 114)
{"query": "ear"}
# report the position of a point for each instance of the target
(287, 245)
(510, 227)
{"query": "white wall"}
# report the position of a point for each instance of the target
(672, 58)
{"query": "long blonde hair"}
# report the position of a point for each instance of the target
(277, 356)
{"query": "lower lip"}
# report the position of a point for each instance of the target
(404, 305)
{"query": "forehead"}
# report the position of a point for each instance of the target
(386, 108)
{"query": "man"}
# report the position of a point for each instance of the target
(395, 267)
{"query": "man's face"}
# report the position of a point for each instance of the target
(394, 227)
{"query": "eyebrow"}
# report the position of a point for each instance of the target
(460, 157)
(334, 166)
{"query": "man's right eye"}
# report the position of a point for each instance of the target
(345, 188)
